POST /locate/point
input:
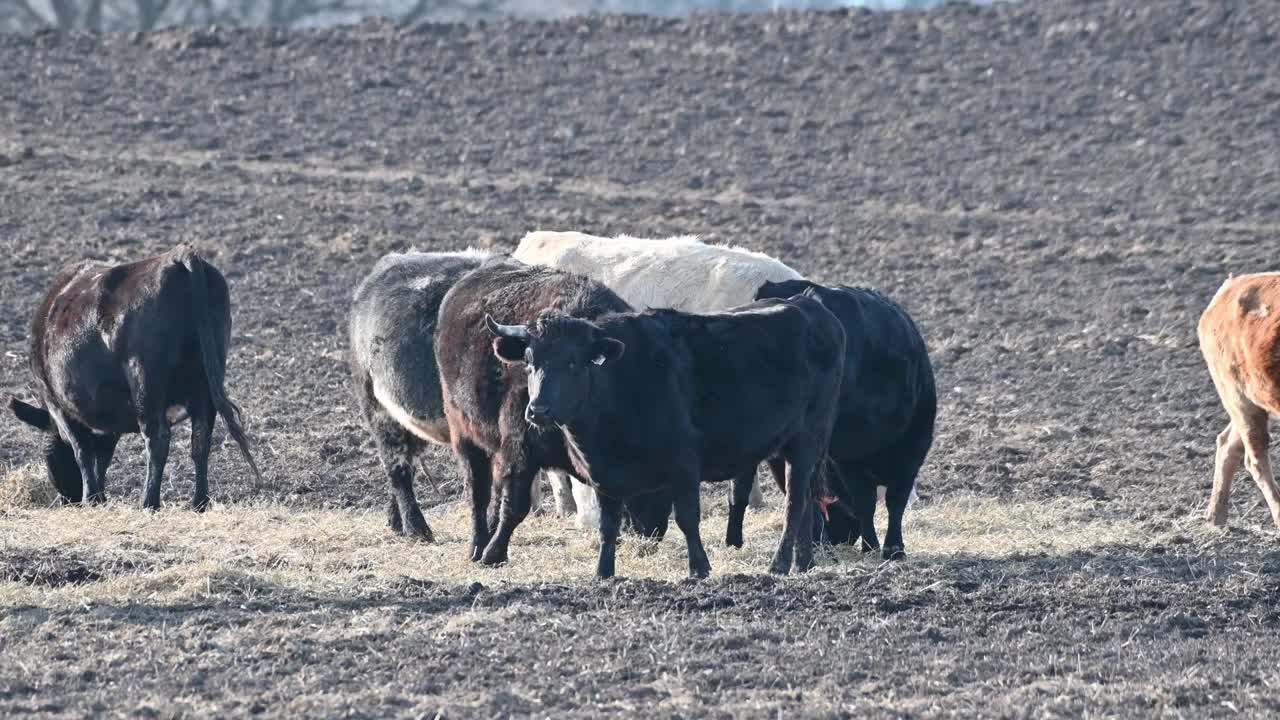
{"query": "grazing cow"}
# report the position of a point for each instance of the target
(888, 403)
(1239, 336)
(129, 348)
(393, 366)
(660, 400)
(484, 400)
(680, 273)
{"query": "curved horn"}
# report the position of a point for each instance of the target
(511, 331)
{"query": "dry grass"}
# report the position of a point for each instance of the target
(247, 551)
(25, 486)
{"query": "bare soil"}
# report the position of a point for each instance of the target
(1053, 189)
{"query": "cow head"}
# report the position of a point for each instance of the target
(782, 289)
(561, 354)
(59, 459)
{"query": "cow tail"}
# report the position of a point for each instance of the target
(212, 332)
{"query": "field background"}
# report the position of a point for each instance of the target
(1053, 189)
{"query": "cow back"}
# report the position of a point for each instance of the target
(682, 272)
(476, 386)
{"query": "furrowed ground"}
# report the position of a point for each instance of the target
(1053, 189)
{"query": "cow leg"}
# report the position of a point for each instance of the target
(895, 501)
(743, 485)
(104, 449)
(1226, 464)
(200, 410)
(756, 500)
(1257, 439)
(517, 491)
(560, 488)
(797, 528)
(155, 437)
(688, 518)
(610, 525)
(588, 504)
(396, 451)
(778, 469)
(864, 510)
(535, 495)
(477, 475)
(147, 389)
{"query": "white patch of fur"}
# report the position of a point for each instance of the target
(422, 283)
(436, 432)
(468, 252)
(679, 272)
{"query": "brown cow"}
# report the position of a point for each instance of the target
(131, 348)
(1240, 339)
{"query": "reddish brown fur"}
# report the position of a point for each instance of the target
(1240, 338)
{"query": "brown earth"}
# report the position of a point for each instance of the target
(1053, 189)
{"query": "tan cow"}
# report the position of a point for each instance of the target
(1240, 338)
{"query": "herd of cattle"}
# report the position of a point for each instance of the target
(627, 370)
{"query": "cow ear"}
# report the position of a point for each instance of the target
(31, 415)
(509, 350)
(606, 350)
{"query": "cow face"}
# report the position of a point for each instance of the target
(560, 355)
(59, 459)
(782, 289)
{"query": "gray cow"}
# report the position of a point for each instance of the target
(393, 366)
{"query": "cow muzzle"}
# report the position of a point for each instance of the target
(538, 415)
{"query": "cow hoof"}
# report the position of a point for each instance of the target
(699, 573)
(867, 547)
(201, 505)
(421, 534)
(733, 540)
(894, 553)
(493, 558)
(780, 567)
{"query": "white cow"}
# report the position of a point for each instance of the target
(680, 272)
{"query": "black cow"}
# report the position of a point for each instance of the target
(129, 348)
(662, 399)
(393, 365)
(484, 400)
(888, 403)
(883, 429)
